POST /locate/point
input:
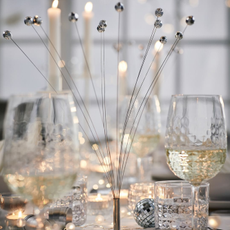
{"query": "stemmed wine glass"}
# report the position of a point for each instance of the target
(195, 140)
(40, 159)
(146, 125)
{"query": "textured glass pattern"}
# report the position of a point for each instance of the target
(185, 129)
(76, 199)
(195, 138)
(173, 205)
(139, 191)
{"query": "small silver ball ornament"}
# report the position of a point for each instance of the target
(190, 20)
(28, 21)
(73, 17)
(163, 40)
(100, 29)
(103, 23)
(158, 23)
(159, 12)
(7, 34)
(144, 213)
(179, 35)
(119, 7)
(37, 20)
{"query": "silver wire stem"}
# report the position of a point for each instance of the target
(144, 101)
(33, 64)
(96, 140)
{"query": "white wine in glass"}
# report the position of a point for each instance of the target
(196, 166)
(145, 123)
(196, 140)
(40, 160)
(144, 144)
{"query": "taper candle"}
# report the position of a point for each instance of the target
(123, 78)
(88, 15)
(54, 15)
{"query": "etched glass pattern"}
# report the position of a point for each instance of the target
(76, 199)
(139, 191)
(173, 205)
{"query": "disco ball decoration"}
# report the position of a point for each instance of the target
(144, 213)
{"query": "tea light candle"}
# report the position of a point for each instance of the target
(98, 202)
(13, 218)
(99, 219)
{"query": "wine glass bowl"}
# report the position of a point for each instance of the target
(146, 127)
(195, 139)
(11, 202)
(40, 159)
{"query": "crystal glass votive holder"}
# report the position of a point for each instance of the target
(99, 204)
(139, 191)
(173, 205)
(76, 199)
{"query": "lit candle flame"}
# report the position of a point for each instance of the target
(20, 214)
(55, 4)
(89, 7)
(99, 198)
(123, 66)
(158, 46)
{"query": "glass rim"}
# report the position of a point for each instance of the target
(176, 183)
(142, 184)
(9, 195)
(196, 95)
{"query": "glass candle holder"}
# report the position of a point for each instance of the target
(173, 205)
(139, 191)
(79, 201)
(76, 199)
(99, 204)
(11, 202)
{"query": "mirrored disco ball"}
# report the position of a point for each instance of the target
(144, 213)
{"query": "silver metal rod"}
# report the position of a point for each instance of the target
(116, 214)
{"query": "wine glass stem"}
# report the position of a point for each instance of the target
(195, 206)
(140, 173)
(41, 218)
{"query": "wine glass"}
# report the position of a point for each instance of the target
(195, 139)
(146, 124)
(40, 159)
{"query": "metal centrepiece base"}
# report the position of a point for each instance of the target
(116, 214)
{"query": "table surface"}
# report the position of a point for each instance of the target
(127, 223)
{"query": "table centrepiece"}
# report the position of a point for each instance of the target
(113, 168)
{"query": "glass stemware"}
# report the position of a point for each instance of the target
(147, 127)
(40, 159)
(195, 139)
